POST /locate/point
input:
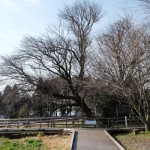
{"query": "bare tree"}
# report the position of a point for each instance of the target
(61, 52)
(124, 65)
(145, 4)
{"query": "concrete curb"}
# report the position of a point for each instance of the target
(115, 142)
(72, 131)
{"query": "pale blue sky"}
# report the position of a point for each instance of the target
(30, 17)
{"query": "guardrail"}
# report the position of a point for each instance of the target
(71, 122)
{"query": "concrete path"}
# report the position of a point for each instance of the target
(92, 139)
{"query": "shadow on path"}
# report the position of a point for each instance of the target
(75, 141)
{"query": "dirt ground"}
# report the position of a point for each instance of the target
(135, 142)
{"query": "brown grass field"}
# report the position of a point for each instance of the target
(131, 141)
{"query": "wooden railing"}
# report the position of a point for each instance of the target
(71, 122)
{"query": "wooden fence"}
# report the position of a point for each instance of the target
(69, 122)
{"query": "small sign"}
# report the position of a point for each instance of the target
(90, 122)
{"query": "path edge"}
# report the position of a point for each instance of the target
(114, 141)
(72, 137)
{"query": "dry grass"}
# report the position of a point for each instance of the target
(56, 142)
(135, 142)
(49, 142)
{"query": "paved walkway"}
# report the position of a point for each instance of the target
(92, 139)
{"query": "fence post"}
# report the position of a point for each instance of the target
(66, 122)
(27, 124)
(112, 122)
(82, 122)
(40, 123)
(48, 124)
(54, 122)
(126, 122)
(17, 124)
(108, 124)
(73, 122)
(51, 122)
(78, 122)
(98, 122)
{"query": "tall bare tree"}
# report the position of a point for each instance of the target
(61, 52)
(124, 65)
(145, 4)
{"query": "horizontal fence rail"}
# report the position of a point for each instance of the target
(71, 122)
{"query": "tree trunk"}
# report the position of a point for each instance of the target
(86, 110)
(147, 126)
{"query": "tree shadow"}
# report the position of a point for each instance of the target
(74, 147)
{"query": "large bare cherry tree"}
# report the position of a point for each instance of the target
(61, 52)
(124, 64)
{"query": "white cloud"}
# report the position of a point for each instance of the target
(4, 35)
(12, 32)
(8, 34)
(17, 5)
(10, 4)
(32, 2)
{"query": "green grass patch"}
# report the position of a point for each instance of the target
(27, 144)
